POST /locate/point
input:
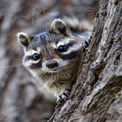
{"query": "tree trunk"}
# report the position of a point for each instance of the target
(97, 94)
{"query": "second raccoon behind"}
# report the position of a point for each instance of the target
(53, 57)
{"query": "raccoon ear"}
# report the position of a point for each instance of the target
(58, 26)
(24, 38)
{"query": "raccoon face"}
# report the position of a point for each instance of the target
(50, 51)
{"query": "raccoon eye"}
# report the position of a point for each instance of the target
(62, 48)
(35, 56)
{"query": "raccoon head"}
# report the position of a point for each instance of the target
(52, 50)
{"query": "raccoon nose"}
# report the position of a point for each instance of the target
(52, 64)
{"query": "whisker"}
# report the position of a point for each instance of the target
(11, 66)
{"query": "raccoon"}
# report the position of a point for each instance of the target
(52, 57)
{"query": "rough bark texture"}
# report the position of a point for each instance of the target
(97, 95)
(20, 101)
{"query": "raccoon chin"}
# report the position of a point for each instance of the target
(54, 70)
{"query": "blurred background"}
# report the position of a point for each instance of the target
(20, 100)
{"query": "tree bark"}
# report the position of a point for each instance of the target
(97, 94)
